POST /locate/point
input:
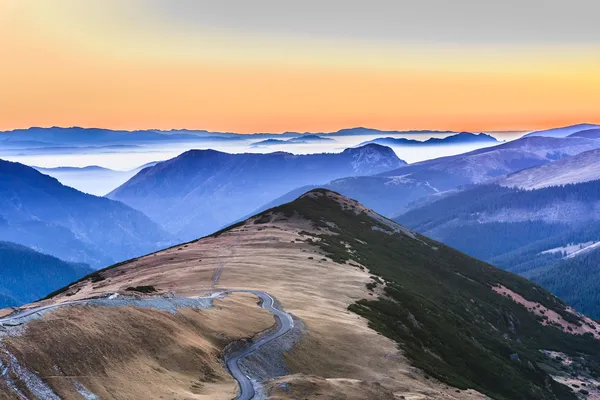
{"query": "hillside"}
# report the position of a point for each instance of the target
(588, 133)
(579, 168)
(201, 191)
(575, 279)
(39, 212)
(379, 312)
(28, 275)
(393, 192)
(519, 230)
(562, 132)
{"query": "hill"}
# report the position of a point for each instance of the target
(393, 192)
(575, 279)
(201, 191)
(28, 275)
(562, 132)
(379, 312)
(519, 230)
(39, 212)
(579, 168)
(588, 133)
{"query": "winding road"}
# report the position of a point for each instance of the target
(285, 323)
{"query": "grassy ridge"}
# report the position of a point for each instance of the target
(441, 310)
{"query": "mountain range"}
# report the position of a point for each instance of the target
(579, 168)
(303, 139)
(541, 222)
(460, 138)
(203, 190)
(44, 137)
(38, 212)
(395, 191)
(377, 311)
(563, 131)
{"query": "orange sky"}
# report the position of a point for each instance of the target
(111, 66)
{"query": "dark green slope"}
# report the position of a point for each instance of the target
(26, 275)
(440, 308)
(575, 280)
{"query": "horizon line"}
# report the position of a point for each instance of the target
(296, 132)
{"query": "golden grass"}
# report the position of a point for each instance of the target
(276, 258)
(135, 353)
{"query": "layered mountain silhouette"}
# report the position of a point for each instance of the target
(203, 190)
(562, 132)
(39, 212)
(393, 192)
(460, 138)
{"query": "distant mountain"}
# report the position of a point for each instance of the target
(64, 137)
(57, 136)
(588, 133)
(310, 139)
(92, 179)
(579, 168)
(202, 190)
(28, 275)
(302, 139)
(460, 138)
(392, 192)
(39, 212)
(360, 131)
(269, 142)
(519, 230)
(564, 131)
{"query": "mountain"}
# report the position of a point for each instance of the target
(28, 275)
(394, 192)
(579, 168)
(269, 142)
(361, 131)
(203, 190)
(44, 137)
(39, 212)
(564, 131)
(302, 139)
(92, 179)
(371, 310)
(309, 139)
(588, 133)
(575, 279)
(460, 138)
(520, 230)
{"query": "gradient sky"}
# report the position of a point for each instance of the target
(274, 65)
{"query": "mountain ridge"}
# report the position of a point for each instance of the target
(39, 212)
(459, 320)
(201, 191)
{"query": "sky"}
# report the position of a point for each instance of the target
(274, 66)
